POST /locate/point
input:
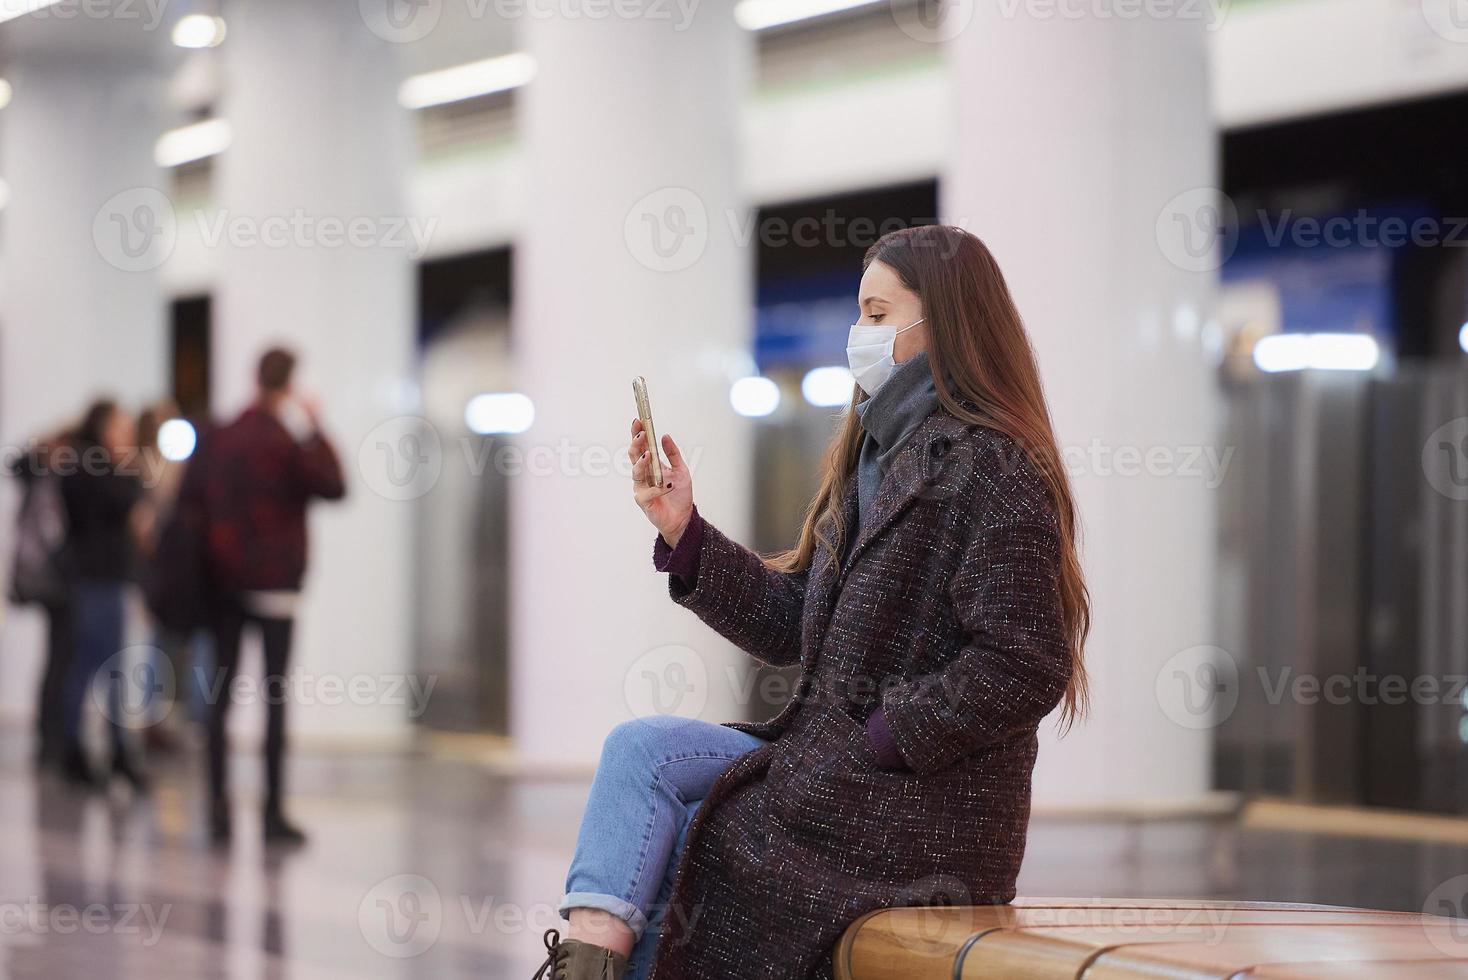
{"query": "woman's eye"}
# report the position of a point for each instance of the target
(877, 317)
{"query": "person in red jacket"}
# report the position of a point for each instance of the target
(259, 474)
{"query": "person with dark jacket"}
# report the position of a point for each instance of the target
(935, 606)
(258, 474)
(100, 488)
(38, 577)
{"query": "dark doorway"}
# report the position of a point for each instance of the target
(191, 318)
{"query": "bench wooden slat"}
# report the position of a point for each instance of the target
(1059, 939)
(1413, 970)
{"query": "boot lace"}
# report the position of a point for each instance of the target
(555, 959)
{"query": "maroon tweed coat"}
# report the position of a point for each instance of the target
(949, 602)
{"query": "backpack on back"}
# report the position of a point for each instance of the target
(37, 574)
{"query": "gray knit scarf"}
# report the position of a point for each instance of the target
(902, 403)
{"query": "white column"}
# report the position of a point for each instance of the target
(311, 206)
(627, 266)
(1075, 137)
(85, 229)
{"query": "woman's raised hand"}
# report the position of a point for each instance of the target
(670, 506)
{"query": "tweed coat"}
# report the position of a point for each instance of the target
(946, 611)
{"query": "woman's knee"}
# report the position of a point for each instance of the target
(630, 740)
(646, 739)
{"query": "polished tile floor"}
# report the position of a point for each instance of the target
(427, 867)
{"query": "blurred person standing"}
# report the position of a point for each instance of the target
(99, 492)
(38, 577)
(258, 474)
(164, 476)
(173, 633)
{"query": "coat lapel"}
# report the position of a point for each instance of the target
(916, 464)
(919, 461)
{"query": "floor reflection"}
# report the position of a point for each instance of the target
(426, 867)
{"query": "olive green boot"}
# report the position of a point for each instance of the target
(571, 959)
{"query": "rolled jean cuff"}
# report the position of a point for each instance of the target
(625, 911)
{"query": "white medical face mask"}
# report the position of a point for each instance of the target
(869, 353)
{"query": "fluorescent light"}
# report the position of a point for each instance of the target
(11, 9)
(189, 143)
(199, 31)
(827, 387)
(177, 439)
(1463, 343)
(5, 93)
(1317, 351)
(754, 397)
(467, 81)
(759, 15)
(499, 413)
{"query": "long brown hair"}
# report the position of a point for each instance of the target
(985, 371)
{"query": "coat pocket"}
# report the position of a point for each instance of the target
(832, 779)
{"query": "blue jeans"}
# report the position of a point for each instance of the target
(653, 774)
(97, 632)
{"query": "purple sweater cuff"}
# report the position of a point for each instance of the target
(884, 746)
(681, 561)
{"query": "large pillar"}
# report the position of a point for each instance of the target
(311, 205)
(1076, 134)
(85, 229)
(627, 266)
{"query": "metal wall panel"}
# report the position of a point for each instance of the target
(1344, 588)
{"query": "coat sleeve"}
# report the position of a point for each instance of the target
(320, 471)
(1015, 666)
(753, 606)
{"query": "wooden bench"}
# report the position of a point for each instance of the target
(1124, 939)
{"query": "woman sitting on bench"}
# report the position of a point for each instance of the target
(936, 607)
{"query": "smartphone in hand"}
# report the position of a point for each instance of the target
(644, 412)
